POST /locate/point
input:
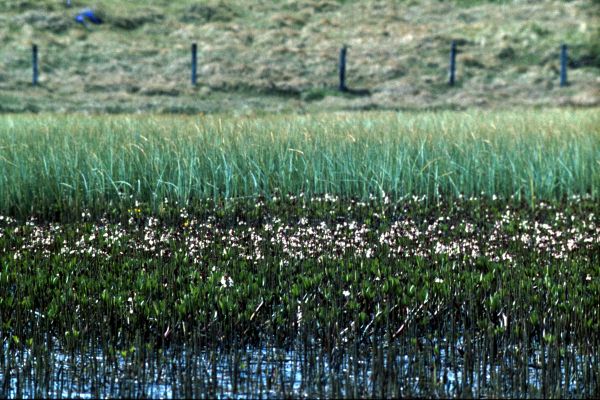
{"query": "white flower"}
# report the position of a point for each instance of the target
(226, 281)
(346, 293)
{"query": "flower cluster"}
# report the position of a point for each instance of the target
(330, 231)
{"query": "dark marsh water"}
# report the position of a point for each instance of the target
(406, 367)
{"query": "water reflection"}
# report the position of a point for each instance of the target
(378, 369)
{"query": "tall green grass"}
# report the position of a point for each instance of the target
(63, 164)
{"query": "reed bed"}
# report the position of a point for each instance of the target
(59, 166)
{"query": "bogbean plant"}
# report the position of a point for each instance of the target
(323, 268)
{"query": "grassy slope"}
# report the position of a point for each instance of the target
(282, 55)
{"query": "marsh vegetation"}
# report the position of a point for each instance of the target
(344, 255)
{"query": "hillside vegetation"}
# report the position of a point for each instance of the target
(282, 55)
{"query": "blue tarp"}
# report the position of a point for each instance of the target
(89, 15)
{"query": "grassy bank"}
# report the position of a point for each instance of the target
(59, 166)
(257, 55)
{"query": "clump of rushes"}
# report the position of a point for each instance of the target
(59, 166)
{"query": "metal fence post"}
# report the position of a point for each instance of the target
(342, 69)
(194, 63)
(563, 65)
(34, 59)
(452, 77)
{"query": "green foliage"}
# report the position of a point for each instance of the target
(121, 284)
(60, 166)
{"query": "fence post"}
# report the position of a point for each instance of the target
(34, 59)
(452, 78)
(342, 69)
(563, 65)
(194, 63)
